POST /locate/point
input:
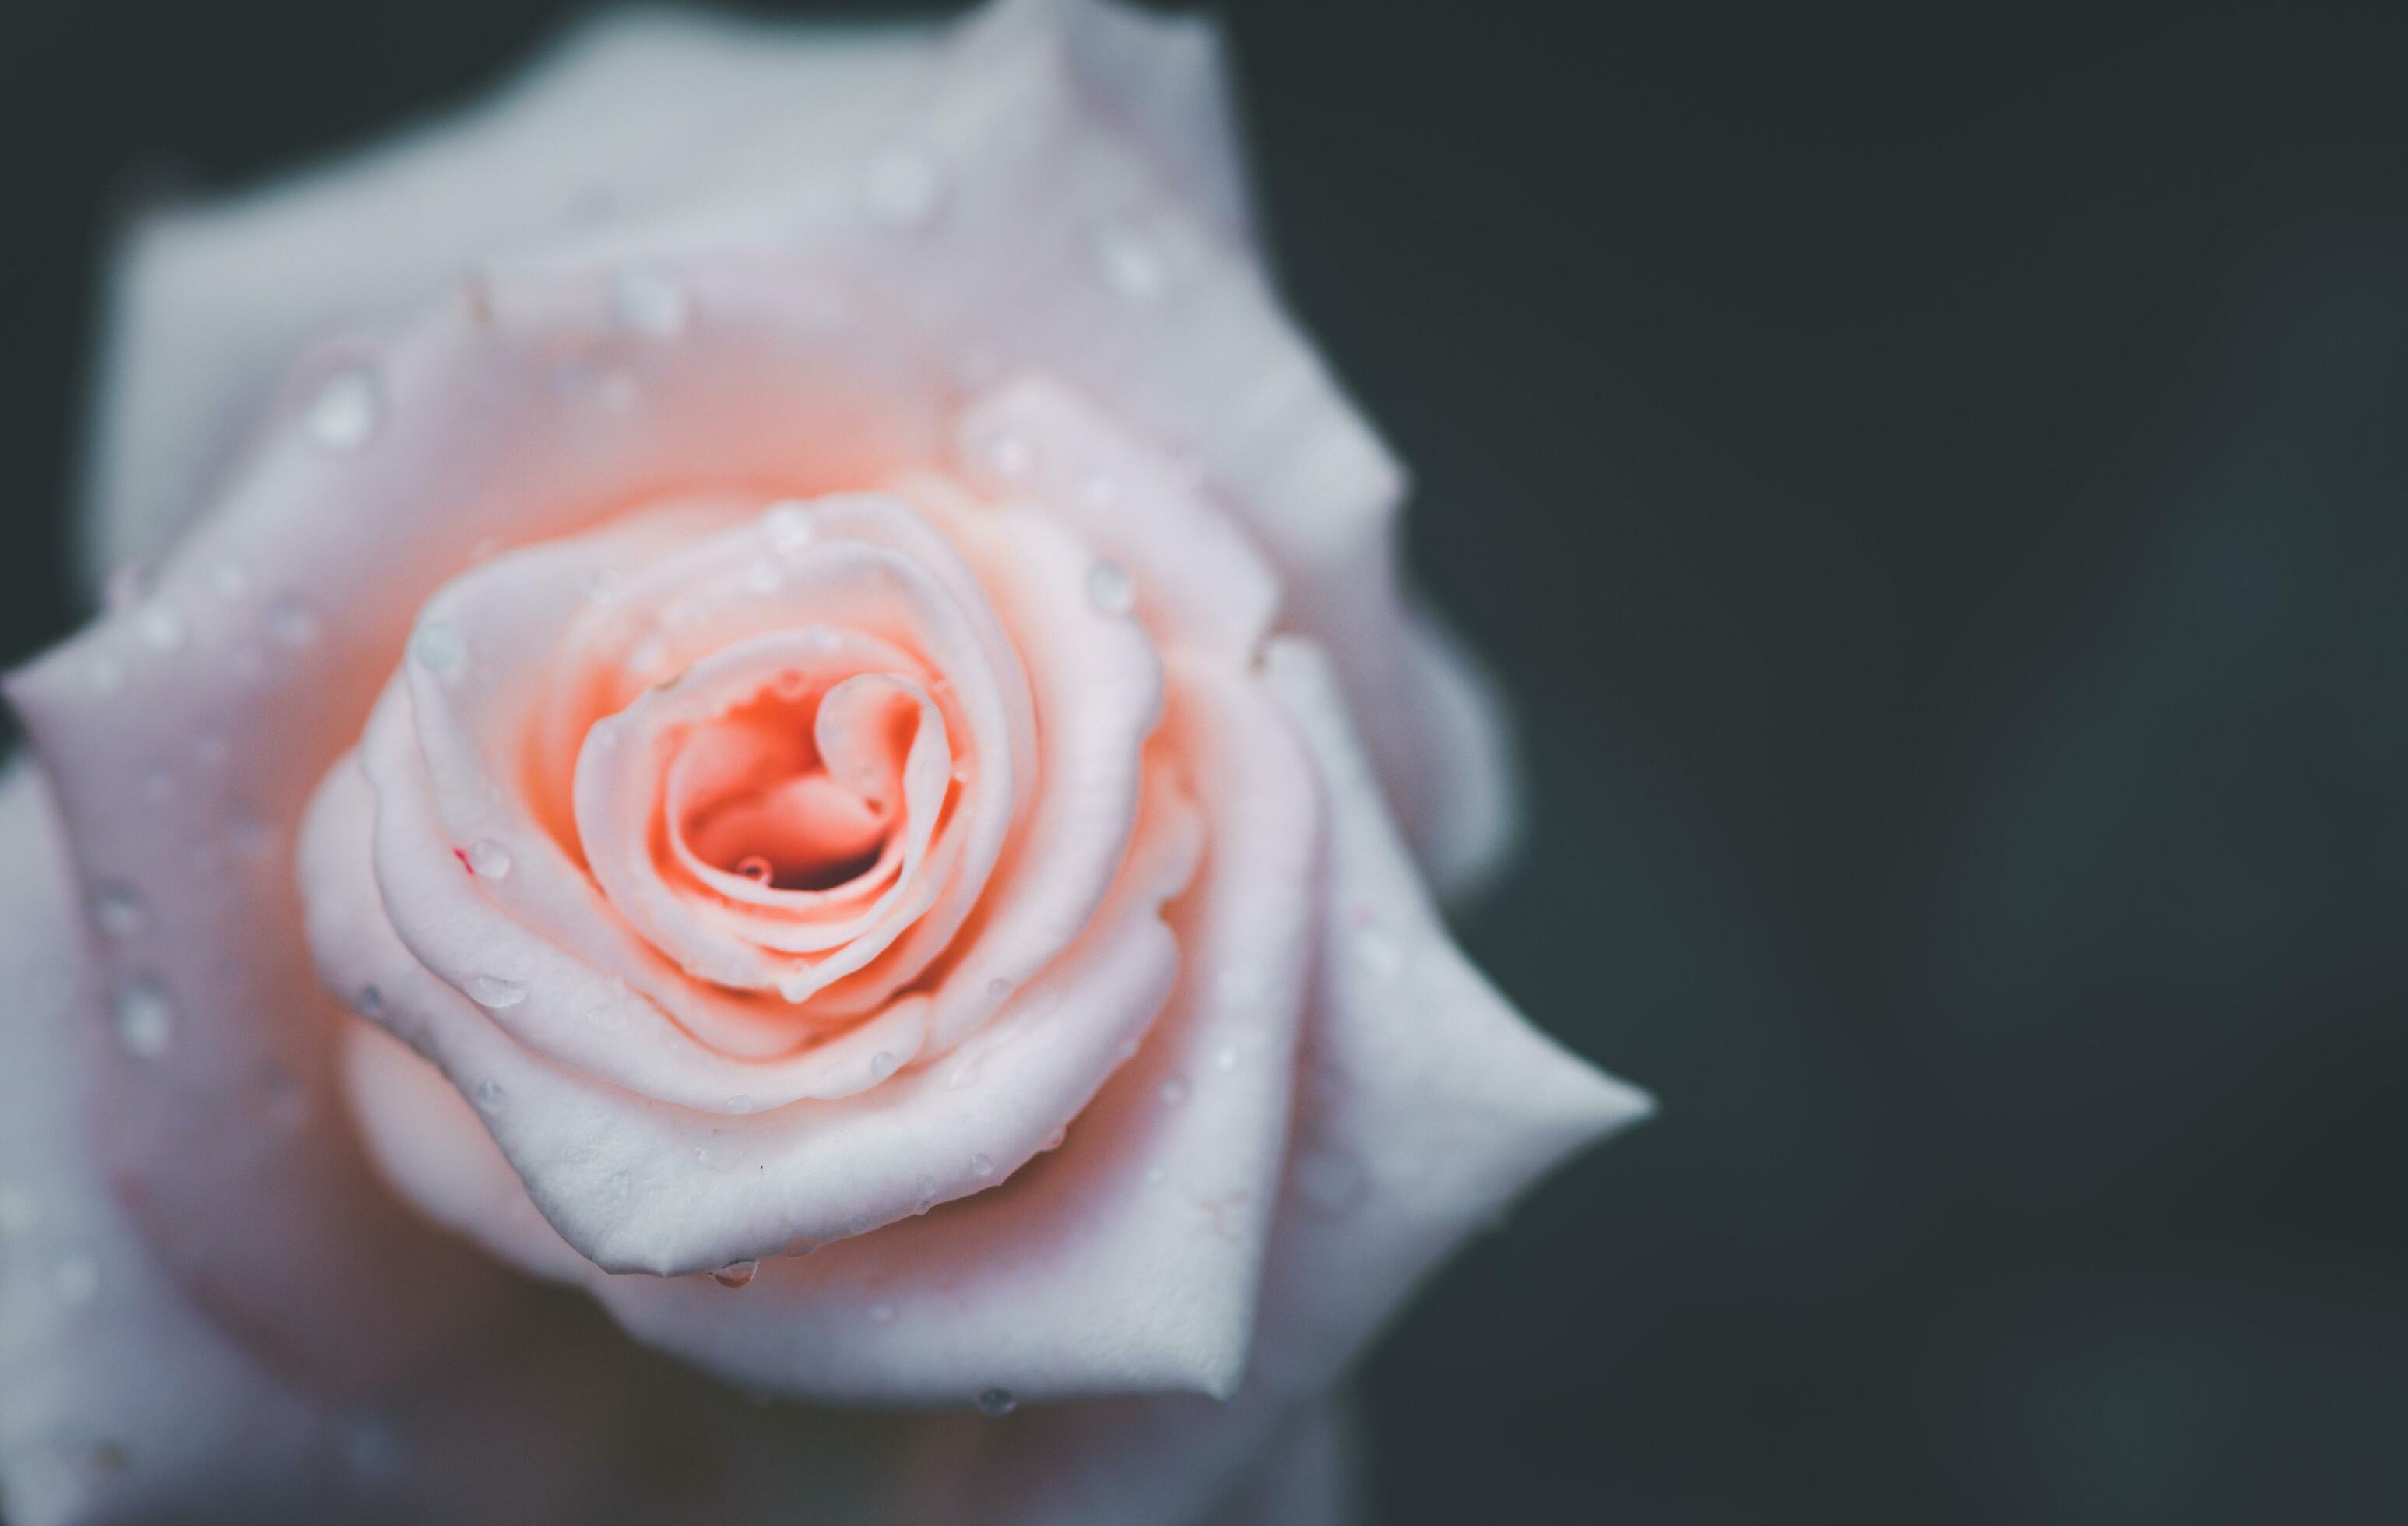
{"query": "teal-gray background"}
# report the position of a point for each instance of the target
(1938, 487)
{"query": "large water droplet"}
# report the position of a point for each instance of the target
(882, 1065)
(116, 911)
(489, 1096)
(494, 991)
(439, 648)
(904, 186)
(649, 305)
(145, 1021)
(19, 1213)
(290, 624)
(996, 1401)
(370, 1003)
(1109, 589)
(76, 1280)
(1131, 262)
(736, 1273)
(163, 628)
(344, 414)
(981, 1165)
(489, 859)
(788, 525)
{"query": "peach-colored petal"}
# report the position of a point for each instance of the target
(1123, 1263)
(638, 1185)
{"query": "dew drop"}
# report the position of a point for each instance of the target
(998, 989)
(145, 1022)
(926, 1187)
(116, 911)
(489, 1096)
(755, 868)
(290, 624)
(76, 1280)
(489, 859)
(882, 1065)
(439, 648)
(981, 1165)
(736, 1273)
(19, 1213)
(788, 525)
(1055, 1139)
(650, 655)
(1378, 952)
(962, 1077)
(1109, 589)
(1131, 264)
(996, 1401)
(344, 414)
(1174, 1092)
(649, 305)
(163, 628)
(903, 186)
(881, 1314)
(1008, 454)
(370, 1003)
(493, 991)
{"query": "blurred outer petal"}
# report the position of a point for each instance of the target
(186, 734)
(116, 1396)
(1427, 1104)
(120, 1400)
(210, 304)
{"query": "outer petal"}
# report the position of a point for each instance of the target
(1428, 1105)
(211, 303)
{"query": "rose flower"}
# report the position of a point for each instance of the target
(773, 689)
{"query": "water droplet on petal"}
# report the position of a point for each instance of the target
(996, 1401)
(736, 1273)
(881, 1314)
(882, 1065)
(370, 1003)
(19, 1213)
(904, 186)
(1174, 1092)
(440, 648)
(489, 859)
(981, 1165)
(163, 628)
(145, 1021)
(755, 868)
(290, 624)
(649, 305)
(344, 414)
(1109, 588)
(650, 655)
(998, 989)
(1378, 952)
(116, 911)
(489, 1096)
(1130, 262)
(1055, 1139)
(76, 1280)
(494, 991)
(788, 525)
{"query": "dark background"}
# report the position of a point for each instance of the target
(1937, 489)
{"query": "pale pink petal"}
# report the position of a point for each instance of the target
(1428, 1106)
(638, 1185)
(209, 303)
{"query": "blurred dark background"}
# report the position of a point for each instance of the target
(1939, 489)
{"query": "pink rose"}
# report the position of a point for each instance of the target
(798, 716)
